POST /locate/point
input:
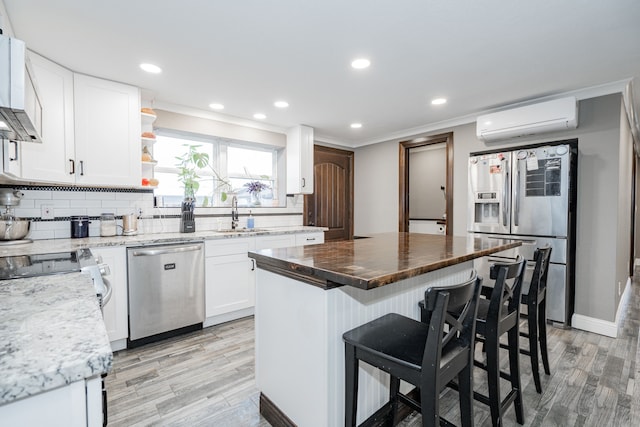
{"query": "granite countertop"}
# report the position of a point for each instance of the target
(376, 261)
(51, 334)
(66, 245)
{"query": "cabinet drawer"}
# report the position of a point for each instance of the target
(309, 239)
(229, 246)
(273, 242)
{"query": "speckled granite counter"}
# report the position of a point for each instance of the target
(51, 334)
(63, 245)
(376, 261)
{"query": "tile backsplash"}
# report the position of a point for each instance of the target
(64, 203)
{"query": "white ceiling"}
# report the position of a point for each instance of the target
(247, 54)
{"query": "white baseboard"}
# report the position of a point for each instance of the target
(604, 327)
(227, 317)
(597, 326)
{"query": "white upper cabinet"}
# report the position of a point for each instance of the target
(107, 132)
(300, 160)
(51, 160)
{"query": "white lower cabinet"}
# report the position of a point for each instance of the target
(115, 311)
(229, 279)
(74, 405)
(230, 274)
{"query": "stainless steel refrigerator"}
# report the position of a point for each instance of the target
(529, 193)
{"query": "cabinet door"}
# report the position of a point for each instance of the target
(115, 312)
(300, 160)
(230, 284)
(50, 161)
(107, 131)
(229, 275)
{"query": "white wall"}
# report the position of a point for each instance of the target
(602, 191)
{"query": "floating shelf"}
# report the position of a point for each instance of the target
(147, 119)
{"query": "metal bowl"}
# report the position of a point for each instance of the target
(14, 229)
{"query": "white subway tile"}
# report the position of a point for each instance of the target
(68, 195)
(100, 195)
(128, 196)
(70, 212)
(62, 234)
(37, 194)
(85, 203)
(27, 213)
(55, 203)
(40, 235)
(114, 204)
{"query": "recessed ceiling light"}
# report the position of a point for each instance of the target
(356, 125)
(150, 68)
(215, 106)
(281, 104)
(438, 101)
(360, 63)
(259, 116)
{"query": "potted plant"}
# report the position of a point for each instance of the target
(188, 165)
(254, 188)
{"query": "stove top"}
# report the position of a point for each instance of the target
(15, 267)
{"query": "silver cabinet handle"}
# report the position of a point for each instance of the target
(161, 251)
(304, 183)
(253, 264)
(311, 239)
(15, 151)
(73, 166)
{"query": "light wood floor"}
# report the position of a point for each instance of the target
(206, 378)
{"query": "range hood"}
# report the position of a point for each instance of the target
(20, 106)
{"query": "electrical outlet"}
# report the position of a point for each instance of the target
(47, 212)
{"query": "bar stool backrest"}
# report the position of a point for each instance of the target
(507, 288)
(455, 306)
(539, 278)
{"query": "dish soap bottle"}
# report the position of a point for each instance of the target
(250, 221)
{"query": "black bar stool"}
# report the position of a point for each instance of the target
(422, 354)
(497, 315)
(534, 297)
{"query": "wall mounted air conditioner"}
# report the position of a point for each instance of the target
(550, 116)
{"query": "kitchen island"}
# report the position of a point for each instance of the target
(307, 297)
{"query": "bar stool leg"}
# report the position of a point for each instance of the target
(493, 377)
(429, 402)
(514, 372)
(394, 388)
(351, 386)
(465, 394)
(532, 321)
(542, 331)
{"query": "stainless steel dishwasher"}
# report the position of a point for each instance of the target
(166, 291)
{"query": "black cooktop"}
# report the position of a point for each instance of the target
(15, 267)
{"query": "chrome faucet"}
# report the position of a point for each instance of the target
(234, 213)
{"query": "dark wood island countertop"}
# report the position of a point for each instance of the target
(375, 261)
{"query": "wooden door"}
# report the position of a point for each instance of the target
(331, 204)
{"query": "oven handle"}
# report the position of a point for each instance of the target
(108, 291)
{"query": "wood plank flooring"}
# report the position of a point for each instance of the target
(206, 378)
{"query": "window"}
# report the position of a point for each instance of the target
(234, 167)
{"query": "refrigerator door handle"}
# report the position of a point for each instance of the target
(516, 196)
(505, 192)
